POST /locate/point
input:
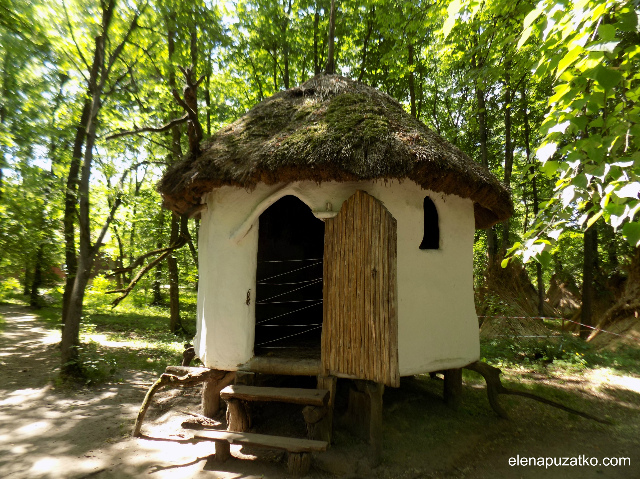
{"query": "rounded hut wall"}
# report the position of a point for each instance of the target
(289, 279)
(437, 322)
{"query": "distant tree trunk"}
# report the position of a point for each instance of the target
(157, 282)
(176, 154)
(4, 90)
(484, 149)
(120, 277)
(412, 88)
(34, 300)
(285, 39)
(508, 152)
(536, 207)
(365, 43)
(207, 97)
(589, 267)
(316, 22)
(28, 279)
(331, 65)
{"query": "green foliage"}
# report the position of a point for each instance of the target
(564, 353)
(590, 146)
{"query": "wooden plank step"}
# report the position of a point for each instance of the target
(291, 444)
(311, 397)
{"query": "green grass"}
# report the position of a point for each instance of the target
(562, 353)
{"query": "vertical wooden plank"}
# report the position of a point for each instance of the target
(363, 246)
(384, 298)
(360, 330)
(366, 293)
(393, 305)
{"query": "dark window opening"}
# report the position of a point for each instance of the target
(289, 280)
(431, 238)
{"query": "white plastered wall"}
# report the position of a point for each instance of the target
(437, 322)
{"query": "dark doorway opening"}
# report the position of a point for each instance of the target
(289, 281)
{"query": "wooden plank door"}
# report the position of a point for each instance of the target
(360, 325)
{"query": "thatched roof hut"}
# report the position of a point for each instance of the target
(337, 231)
(333, 128)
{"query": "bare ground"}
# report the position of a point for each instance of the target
(52, 432)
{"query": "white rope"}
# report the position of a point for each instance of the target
(289, 260)
(287, 302)
(293, 283)
(289, 336)
(287, 313)
(292, 271)
(290, 291)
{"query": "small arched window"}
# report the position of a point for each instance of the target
(431, 238)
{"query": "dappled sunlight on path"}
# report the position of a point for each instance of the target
(55, 433)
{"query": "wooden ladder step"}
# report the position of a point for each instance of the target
(291, 444)
(311, 397)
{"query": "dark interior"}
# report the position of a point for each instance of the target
(289, 280)
(431, 238)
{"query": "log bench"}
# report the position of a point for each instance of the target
(299, 458)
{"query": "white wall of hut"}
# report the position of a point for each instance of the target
(437, 322)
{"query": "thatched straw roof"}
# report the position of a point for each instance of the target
(332, 128)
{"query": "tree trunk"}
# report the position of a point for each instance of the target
(412, 88)
(508, 152)
(365, 43)
(174, 291)
(71, 331)
(70, 203)
(588, 277)
(34, 300)
(536, 207)
(316, 60)
(157, 282)
(176, 153)
(484, 150)
(331, 66)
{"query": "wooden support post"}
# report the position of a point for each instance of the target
(374, 392)
(211, 393)
(238, 419)
(453, 387)
(223, 451)
(299, 463)
(245, 378)
(323, 429)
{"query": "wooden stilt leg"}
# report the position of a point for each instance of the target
(223, 451)
(237, 418)
(323, 429)
(374, 392)
(299, 463)
(211, 393)
(453, 387)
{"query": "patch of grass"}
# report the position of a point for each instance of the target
(566, 352)
(133, 336)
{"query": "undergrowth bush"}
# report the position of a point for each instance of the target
(565, 352)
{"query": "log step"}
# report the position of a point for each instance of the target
(291, 444)
(311, 397)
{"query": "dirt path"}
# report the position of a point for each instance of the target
(49, 432)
